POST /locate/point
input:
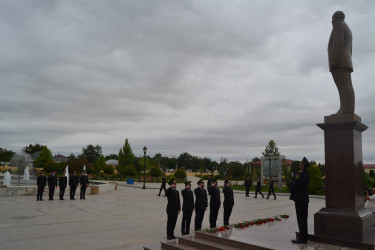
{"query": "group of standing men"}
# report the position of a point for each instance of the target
(200, 205)
(62, 182)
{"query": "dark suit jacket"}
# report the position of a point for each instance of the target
(271, 185)
(228, 196)
(84, 180)
(41, 181)
(258, 185)
(52, 180)
(340, 46)
(201, 202)
(174, 204)
(247, 183)
(73, 181)
(299, 189)
(63, 181)
(215, 196)
(188, 198)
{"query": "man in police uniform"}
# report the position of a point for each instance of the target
(41, 184)
(201, 204)
(52, 184)
(247, 185)
(173, 208)
(257, 189)
(299, 194)
(73, 183)
(187, 208)
(271, 189)
(228, 201)
(63, 182)
(163, 183)
(84, 181)
(214, 203)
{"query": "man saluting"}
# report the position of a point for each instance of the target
(187, 208)
(173, 208)
(299, 194)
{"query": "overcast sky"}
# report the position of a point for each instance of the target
(211, 78)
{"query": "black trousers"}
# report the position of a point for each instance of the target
(72, 191)
(171, 223)
(51, 192)
(227, 213)
(258, 191)
(83, 192)
(214, 211)
(186, 219)
(269, 193)
(162, 186)
(247, 191)
(39, 193)
(62, 192)
(302, 213)
(199, 215)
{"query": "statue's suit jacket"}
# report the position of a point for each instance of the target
(340, 46)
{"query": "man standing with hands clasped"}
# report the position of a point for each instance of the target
(214, 203)
(299, 194)
(73, 183)
(41, 183)
(187, 208)
(173, 208)
(52, 184)
(84, 181)
(63, 182)
(201, 204)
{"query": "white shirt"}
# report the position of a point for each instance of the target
(370, 204)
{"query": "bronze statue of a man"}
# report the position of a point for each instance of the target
(340, 62)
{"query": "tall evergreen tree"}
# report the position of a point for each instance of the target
(44, 156)
(125, 156)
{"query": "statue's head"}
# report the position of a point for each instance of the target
(338, 15)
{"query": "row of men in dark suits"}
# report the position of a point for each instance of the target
(62, 182)
(200, 205)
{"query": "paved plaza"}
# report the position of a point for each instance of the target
(126, 218)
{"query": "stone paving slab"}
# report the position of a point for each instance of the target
(127, 218)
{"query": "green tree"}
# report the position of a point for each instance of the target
(271, 149)
(108, 169)
(130, 171)
(372, 173)
(180, 174)
(125, 157)
(316, 183)
(155, 172)
(78, 163)
(255, 159)
(99, 164)
(50, 166)
(111, 157)
(92, 153)
(236, 170)
(32, 148)
(44, 156)
(5, 155)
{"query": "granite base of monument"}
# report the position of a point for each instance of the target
(344, 217)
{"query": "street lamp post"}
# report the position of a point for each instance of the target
(144, 167)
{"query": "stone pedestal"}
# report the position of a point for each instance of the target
(344, 217)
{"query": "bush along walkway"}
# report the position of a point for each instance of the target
(246, 224)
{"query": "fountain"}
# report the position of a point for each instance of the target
(67, 173)
(7, 179)
(26, 173)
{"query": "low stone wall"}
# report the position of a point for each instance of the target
(32, 190)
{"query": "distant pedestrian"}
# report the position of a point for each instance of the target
(257, 189)
(63, 182)
(247, 185)
(201, 204)
(73, 183)
(84, 181)
(299, 194)
(209, 184)
(173, 208)
(187, 208)
(214, 203)
(163, 183)
(228, 202)
(271, 189)
(52, 184)
(41, 184)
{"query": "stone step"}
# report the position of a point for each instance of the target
(175, 245)
(201, 243)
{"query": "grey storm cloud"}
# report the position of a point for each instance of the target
(212, 78)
